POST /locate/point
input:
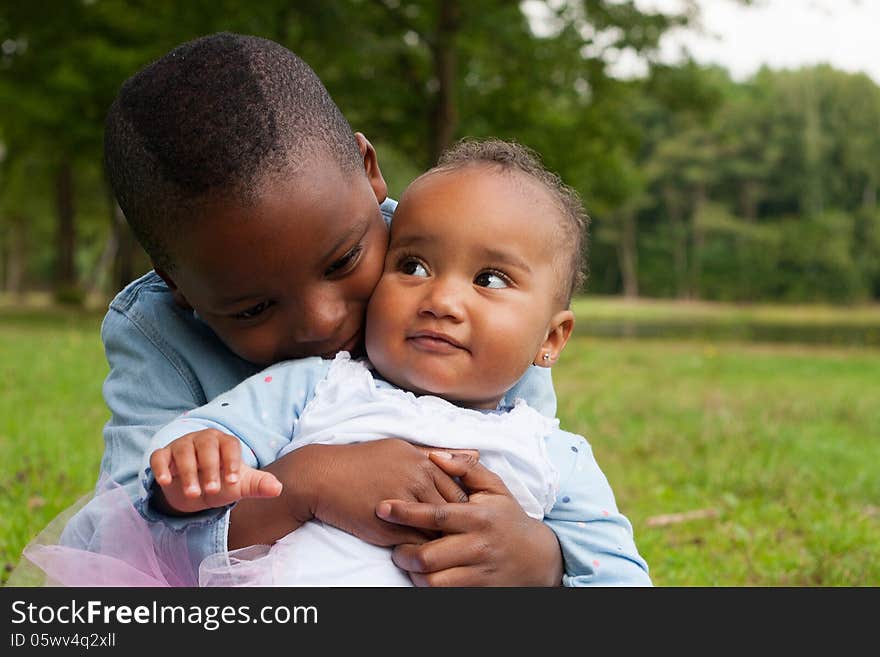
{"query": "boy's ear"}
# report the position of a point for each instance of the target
(179, 299)
(558, 333)
(371, 167)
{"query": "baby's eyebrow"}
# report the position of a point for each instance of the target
(506, 258)
(409, 240)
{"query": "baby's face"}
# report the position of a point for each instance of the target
(291, 276)
(469, 288)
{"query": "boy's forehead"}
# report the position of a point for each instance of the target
(321, 208)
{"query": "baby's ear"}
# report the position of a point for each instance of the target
(179, 299)
(558, 332)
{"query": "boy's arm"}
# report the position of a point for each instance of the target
(144, 390)
(596, 539)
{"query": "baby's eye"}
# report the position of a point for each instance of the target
(492, 279)
(253, 311)
(412, 267)
(345, 264)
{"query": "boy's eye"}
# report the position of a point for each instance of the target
(491, 279)
(253, 311)
(412, 267)
(346, 263)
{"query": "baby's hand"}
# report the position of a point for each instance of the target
(204, 470)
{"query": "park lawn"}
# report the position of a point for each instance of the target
(775, 447)
(51, 414)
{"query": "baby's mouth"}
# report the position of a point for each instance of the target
(435, 342)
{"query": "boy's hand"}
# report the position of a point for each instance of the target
(203, 470)
(490, 541)
(341, 485)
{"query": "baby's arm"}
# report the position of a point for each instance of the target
(203, 470)
(237, 433)
(596, 539)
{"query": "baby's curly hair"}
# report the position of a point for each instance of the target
(573, 222)
(219, 115)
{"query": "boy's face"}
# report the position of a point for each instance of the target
(291, 275)
(469, 290)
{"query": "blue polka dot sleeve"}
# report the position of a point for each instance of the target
(597, 542)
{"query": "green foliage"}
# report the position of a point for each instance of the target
(650, 156)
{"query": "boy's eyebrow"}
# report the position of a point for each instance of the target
(357, 229)
(225, 302)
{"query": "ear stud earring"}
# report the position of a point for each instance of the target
(546, 358)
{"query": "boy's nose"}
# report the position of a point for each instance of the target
(320, 320)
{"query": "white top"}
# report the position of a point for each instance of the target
(351, 406)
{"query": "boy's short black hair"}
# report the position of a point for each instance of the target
(573, 224)
(222, 114)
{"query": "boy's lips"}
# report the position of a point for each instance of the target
(435, 342)
(350, 345)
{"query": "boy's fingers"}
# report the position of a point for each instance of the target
(448, 488)
(475, 453)
(184, 456)
(446, 518)
(259, 483)
(475, 476)
(447, 552)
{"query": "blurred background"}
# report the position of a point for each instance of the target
(727, 151)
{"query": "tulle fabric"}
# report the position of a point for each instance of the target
(119, 550)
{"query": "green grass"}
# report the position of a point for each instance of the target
(780, 443)
(51, 414)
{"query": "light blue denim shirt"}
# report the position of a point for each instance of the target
(164, 361)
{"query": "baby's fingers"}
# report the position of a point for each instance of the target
(230, 454)
(208, 459)
(160, 464)
(183, 455)
(258, 483)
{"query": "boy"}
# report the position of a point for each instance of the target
(228, 157)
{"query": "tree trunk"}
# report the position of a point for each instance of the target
(65, 239)
(627, 254)
(443, 116)
(698, 240)
(869, 195)
(679, 242)
(16, 255)
(748, 200)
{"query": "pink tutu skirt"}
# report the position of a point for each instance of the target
(102, 540)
